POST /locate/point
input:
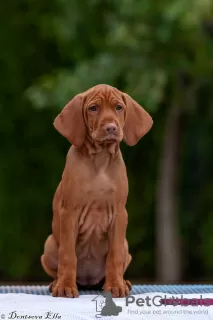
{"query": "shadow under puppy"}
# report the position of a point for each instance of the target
(88, 243)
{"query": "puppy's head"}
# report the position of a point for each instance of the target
(104, 114)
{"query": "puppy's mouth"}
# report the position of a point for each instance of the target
(108, 139)
(107, 134)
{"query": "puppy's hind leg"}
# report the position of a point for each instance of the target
(127, 260)
(49, 259)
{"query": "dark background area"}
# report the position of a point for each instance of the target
(160, 53)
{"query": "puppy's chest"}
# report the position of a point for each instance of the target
(98, 207)
(102, 187)
(95, 220)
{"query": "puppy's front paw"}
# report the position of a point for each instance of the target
(59, 290)
(117, 289)
(52, 285)
(128, 284)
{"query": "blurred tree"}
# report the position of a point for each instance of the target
(27, 139)
(161, 54)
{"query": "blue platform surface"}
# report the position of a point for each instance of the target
(136, 289)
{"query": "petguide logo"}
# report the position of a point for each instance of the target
(158, 301)
(105, 306)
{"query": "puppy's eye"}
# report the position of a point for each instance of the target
(118, 108)
(93, 108)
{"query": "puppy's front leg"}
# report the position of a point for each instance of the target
(66, 277)
(115, 259)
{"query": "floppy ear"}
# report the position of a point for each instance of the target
(138, 122)
(70, 122)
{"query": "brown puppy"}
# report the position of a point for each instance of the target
(88, 241)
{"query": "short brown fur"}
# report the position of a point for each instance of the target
(88, 241)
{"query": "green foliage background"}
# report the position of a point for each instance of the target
(158, 52)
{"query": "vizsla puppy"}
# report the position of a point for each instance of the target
(88, 242)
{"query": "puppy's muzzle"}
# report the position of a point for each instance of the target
(111, 131)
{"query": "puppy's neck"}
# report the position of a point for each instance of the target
(95, 148)
(101, 154)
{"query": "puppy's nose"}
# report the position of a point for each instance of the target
(111, 128)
